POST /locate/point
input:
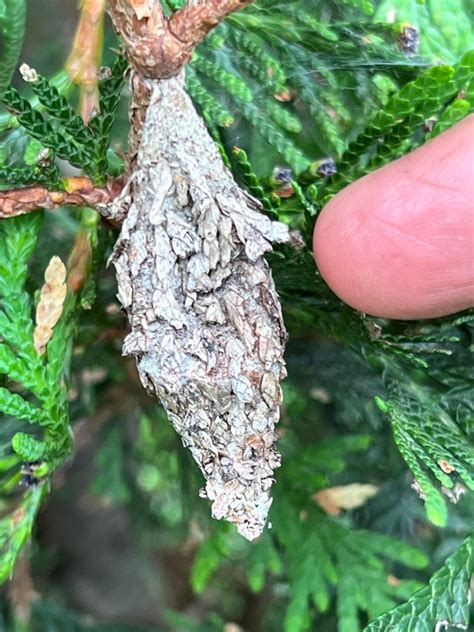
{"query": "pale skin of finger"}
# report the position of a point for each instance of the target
(399, 243)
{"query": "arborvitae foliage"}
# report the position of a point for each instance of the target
(444, 600)
(33, 390)
(302, 98)
(61, 130)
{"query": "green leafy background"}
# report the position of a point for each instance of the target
(287, 90)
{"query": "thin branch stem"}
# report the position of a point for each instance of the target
(78, 191)
(194, 21)
(158, 47)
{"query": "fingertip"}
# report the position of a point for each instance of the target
(399, 243)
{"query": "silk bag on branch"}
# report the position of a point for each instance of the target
(206, 325)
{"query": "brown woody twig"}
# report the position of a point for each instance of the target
(159, 47)
(78, 191)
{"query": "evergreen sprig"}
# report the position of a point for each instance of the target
(52, 121)
(446, 28)
(444, 604)
(326, 556)
(392, 130)
(311, 86)
(430, 441)
(57, 106)
(256, 69)
(23, 176)
(42, 129)
(34, 390)
(19, 360)
(100, 126)
(16, 529)
(249, 178)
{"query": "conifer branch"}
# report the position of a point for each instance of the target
(78, 191)
(159, 47)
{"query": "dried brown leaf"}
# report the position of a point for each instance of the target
(50, 306)
(334, 499)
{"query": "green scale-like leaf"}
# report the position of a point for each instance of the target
(444, 603)
(42, 399)
(43, 130)
(15, 530)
